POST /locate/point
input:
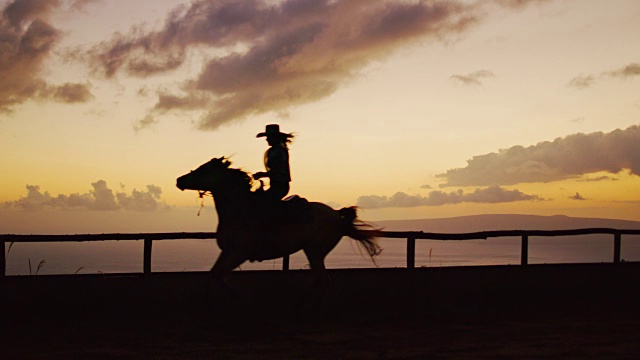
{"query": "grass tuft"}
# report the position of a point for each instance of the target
(40, 265)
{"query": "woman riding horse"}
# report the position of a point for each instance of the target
(240, 237)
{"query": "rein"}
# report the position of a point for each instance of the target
(202, 194)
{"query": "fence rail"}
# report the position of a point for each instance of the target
(410, 236)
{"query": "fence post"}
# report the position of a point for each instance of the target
(411, 252)
(617, 245)
(524, 254)
(146, 265)
(3, 260)
(285, 263)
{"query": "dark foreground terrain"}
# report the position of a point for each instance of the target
(536, 311)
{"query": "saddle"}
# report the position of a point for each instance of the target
(290, 210)
(294, 210)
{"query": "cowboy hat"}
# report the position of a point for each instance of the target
(273, 129)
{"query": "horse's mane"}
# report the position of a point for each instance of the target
(235, 176)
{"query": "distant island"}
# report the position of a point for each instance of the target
(488, 222)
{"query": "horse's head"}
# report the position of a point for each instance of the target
(212, 174)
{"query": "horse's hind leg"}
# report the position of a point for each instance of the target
(321, 279)
(311, 301)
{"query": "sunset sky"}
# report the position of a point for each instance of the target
(408, 109)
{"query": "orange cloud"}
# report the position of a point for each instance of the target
(563, 158)
(577, 196)
(491, 195)
(100, 198)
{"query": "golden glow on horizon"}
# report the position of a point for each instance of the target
(400, 122)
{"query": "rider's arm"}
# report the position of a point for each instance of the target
(260, 175)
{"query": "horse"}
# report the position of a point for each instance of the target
(243, 234)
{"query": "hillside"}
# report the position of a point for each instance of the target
(503, 222)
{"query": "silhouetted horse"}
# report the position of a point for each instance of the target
(248, 231)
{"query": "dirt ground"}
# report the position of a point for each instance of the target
(478, 338)
(142, 319)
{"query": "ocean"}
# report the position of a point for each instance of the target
(199, 255)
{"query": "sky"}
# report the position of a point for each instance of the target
(408, 109)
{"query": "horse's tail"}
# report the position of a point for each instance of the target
(359, 230)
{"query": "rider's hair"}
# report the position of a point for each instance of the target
(285, 138)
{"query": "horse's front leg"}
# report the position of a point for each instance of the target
(226, 262)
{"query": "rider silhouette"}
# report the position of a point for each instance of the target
(276, 161)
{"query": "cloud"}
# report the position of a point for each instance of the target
(472, 79)
(563, 158)
(72, 93)
(275, 55)
(518, 4)
(18, 12)
(577, 196)
(147, 122)
(100, 198)
(27, 39)
(599, 178)
(625, 72)
(140, 200)
(493, 194)
(497, 194)
(81, 5)
(582, 81)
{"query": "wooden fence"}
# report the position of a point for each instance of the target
(410, 236)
